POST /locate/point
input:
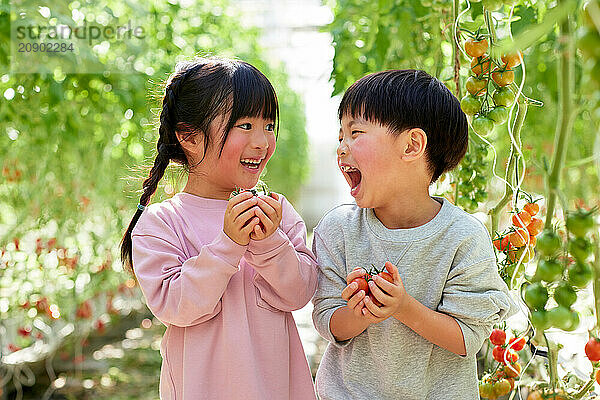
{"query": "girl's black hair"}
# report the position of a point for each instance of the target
(197, 93)
(406, 99)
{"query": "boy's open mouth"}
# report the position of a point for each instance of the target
(355, 177)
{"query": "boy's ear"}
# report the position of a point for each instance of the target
(414, 144)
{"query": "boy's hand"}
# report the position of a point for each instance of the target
(268, 210)
(391, 295)
(352, 295)
(240, 219)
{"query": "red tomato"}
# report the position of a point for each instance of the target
(387, 276)
(511, 356)
(517, 344)
(498, 354)
(522, 219)
(362, 284)
(592, 350)
(498, 337)
(532, 240)
(531, 208)
(598, 376)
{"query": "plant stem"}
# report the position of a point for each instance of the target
(513, 159)
(564, 126)
(596, 269)
(587, 387)
(552, 362)
(455, 52)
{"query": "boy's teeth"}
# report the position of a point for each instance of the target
(346, 168)
(250, 161)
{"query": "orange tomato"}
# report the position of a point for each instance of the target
(535, 226)
(521, 219)
(531, 208)
(519, 237)
(511, 60)
(512, 370)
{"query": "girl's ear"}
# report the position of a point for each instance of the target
(414, 144)
(191, 142)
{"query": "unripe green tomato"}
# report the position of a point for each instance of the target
(498, 114)
(482, 125)
(589, 43)
(481, 196)
(470, 104)
(580, 248)
(580, 222)
(565, 295)
(548, 242)
(560, 317)
(539, 320)
(579, 274)
(486, 390)
(492, 5)
(508, 2)
(549, 270)
(536, 296)
(573, 321)
(503, 96)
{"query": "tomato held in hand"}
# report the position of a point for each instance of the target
(362, 284)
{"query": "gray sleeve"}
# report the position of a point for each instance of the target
(478, 299)
(331, 282)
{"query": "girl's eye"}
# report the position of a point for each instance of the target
(270, 127)
(356, 132)
(245, 126)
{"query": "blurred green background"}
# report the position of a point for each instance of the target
(75, 144)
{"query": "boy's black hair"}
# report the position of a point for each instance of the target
(196, 94)
(406, 99)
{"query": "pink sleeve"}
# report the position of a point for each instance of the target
(180, 291)
(286, 269)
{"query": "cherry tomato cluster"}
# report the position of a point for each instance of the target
(589, 41)
(487, 110)
(471, 179)
(518, 241)
(502, 380)
(363, 281)
(260, 187)
(560, 274)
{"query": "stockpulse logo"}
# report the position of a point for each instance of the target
(89, 33)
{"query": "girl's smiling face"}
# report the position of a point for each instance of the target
(249, 146)
(368, 158)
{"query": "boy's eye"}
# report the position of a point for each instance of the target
(356, 132)
(270, 127)
(245, 126)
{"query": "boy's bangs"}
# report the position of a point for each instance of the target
(373, 98)
(253, 96)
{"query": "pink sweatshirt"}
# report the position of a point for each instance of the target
(230, 331)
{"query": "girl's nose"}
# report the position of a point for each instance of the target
(259, 140)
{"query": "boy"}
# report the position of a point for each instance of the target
(400, 130)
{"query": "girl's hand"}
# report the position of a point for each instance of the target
(240, 219)
(268, 210)
(391, 295)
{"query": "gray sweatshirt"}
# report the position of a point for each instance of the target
(447, 264)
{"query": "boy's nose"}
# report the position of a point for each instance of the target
(342, 149)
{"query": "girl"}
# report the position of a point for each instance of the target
(222, 275)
